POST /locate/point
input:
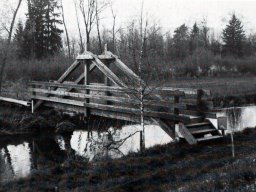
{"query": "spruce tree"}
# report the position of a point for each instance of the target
(181, 42)
(42, 37)
(233, 37)
(194, 38)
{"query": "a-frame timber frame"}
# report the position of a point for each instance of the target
(187, 108)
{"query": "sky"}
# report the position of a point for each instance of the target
(169, 14)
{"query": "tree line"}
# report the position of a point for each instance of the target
(184, 51)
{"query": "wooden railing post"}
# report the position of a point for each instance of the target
(200, 94)
(107, 81)
(32, 101)
(86, 83)
(176, 109)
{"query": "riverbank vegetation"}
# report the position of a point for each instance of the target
(174, 167)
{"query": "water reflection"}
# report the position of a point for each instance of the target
(18, 159)
(20, 156)
(95, 145)
(239, 118)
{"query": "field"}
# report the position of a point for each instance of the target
(219, 86)
(174, 167)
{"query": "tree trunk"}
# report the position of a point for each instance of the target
(88, 43)
(79, 30)
(66, 31)
(98, 27)
(6, 51)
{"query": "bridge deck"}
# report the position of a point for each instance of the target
(124, 100)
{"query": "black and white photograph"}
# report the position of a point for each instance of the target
(127, 95)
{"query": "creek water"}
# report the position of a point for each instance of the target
(20, 156)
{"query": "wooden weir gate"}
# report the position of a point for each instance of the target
(179, 112)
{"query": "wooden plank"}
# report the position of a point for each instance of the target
(68, 72)
(120, 100)
(125, 69)
(62, 79)
(116, 115)
(64, 76)
(186, 134)
(107, 72)
(15, 101)
(170, 131)
(101, 88)
(209, 138)
(163, 115)
(86, 82)
(59, 100)
(65, 107)
(202, 131)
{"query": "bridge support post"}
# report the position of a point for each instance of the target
(176, 109)
(86, 83)
(107, 81)
(200, 94)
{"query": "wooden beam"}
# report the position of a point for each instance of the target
(15, 101)
(186, 134)
(94, 87)
(107, 72)
(68, 72)
(65, 75)
(59, 100)
(170, 131)
(119, 109)
(115, 99)
(125, 69)
(86, 82)
(62, 79)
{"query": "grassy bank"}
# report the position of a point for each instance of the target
(174, 167)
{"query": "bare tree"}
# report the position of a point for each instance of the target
(6, 51)
(113, 27)
(66, 31)
(88, 11)
(142, 87)
(79, 29)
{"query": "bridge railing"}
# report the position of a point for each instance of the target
(162, 102)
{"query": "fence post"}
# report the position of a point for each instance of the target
(200, 94)
(176, 109)
(32, 101)
(86, 83)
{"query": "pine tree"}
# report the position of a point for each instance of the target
(233, 37)
(194, 38)
(53, 42)
(181, 42)
(42, 37)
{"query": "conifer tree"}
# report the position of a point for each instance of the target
(233, 37)
(42, 37)
(194, 38)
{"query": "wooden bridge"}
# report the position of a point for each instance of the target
(118, 97)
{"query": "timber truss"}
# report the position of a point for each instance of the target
(179, 112)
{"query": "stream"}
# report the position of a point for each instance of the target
(21, 155)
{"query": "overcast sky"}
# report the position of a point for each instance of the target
(170, 13)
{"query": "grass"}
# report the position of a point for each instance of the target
(174, 167)
(219, 86)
